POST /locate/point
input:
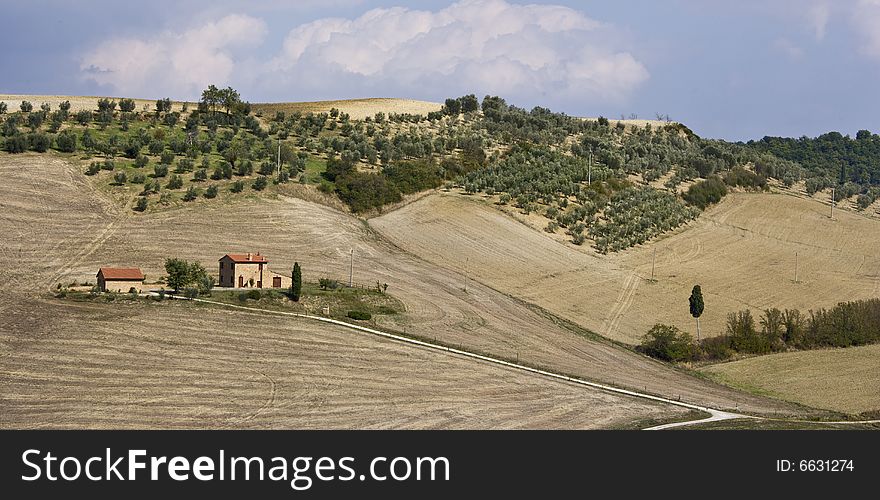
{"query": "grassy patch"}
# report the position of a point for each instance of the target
(314, 168)
(644, 423)
(314, 300)
(843, 380)
(768, 425)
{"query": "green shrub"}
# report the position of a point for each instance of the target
(667, 343)
(260, 184)
(359, 315)
(17, 143)
(328, 284)
(40, 142)
(141, 161)
(175, 182)
(191, 194)
(211, 192)
(66, 141)
(141, 204)
(706, 192)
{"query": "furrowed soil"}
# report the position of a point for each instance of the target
(742, 252)
(59, 230)
(162, 365)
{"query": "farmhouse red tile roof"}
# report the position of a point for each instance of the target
(121, 273)
(246, 257)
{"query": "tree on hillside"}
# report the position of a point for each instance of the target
(66, 141)
(178, 273)
(163, 105)
(229, 98)
(106, 105)
(26, 107)
(667, 343)
(210, 97)
(3, 107)
(452, 107)
(469, 103)
(182, 274)
(696, 306)
(126, 105)
(296, 282)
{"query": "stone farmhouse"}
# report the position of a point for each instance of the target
(249, 270)
(120, 279)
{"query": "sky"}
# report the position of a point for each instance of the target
(732, 70)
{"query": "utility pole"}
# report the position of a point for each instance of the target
(279, 157)
(350, 267)
(795, 267)
(466, 278)
(832, 203)
(653, 258)
(590, 168)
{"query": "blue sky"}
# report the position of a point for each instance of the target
(733, 70)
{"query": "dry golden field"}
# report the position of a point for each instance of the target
(13, 101)
(358, 109)
(59, 229)
(149, 365)
(845, 380)
(742, 253)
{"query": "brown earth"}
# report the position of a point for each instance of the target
(62, 231)
(150, 365)
(66, 364)
(357, 109)
(741, 252)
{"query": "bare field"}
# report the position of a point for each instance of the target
(845, 380)
(150, 365)
(77, 103)
(65, 232)
(358, 109)
(741, 252)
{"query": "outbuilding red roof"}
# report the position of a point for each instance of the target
(246, 258)
(121, 273)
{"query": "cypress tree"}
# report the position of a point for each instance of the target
(696, 305)
(296, 282)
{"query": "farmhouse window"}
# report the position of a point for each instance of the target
(276, 282)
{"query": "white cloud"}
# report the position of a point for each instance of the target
(817, 16)
(788, 48)
(866, 20)
(483, 46)
(545, 54)
(176, 64)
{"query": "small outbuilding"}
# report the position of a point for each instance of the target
(120, 279)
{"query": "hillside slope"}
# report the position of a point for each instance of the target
(741, 252)
(66, 233)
